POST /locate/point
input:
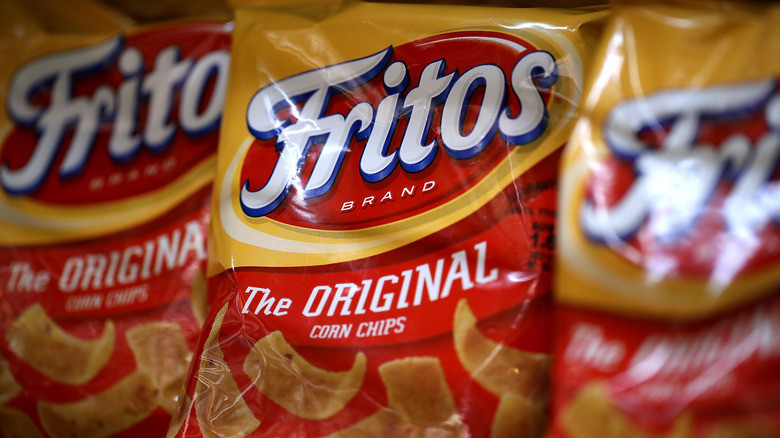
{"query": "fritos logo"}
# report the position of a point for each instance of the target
(693, 177)
(117, 118)
(382, 137)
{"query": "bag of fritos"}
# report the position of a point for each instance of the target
(667, 247)
(108, 135)
(383, 221)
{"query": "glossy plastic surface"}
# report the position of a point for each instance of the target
(383, 222)
(667, 265)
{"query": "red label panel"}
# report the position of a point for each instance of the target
(131, 272)
(656, 372)
(499, 259)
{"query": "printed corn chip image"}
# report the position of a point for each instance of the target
(160, 350)
(16, 424)
(742, 428)
(516, 413)
(199, 296)
(591, 415)
(420, 403)
(306, 391)
(386, 423)
(9, 388)
(117, 408)
(418, 391)
(219, 404)
(498, 368)
(62, 357)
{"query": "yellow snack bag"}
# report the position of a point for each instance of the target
(667, 277)
(108, 135)
(383, 221)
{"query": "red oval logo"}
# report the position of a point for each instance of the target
(692, 186)
(116, 119)
(386, 137)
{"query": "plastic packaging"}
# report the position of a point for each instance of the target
(108, 137)
(383, 221)
(667, 279)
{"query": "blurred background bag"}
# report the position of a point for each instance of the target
(108, 135)
(667, 273)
